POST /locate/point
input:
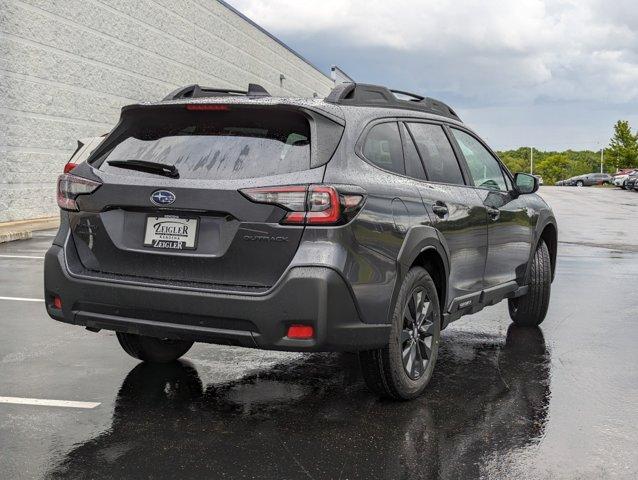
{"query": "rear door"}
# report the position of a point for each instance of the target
(197, 229)
(456, 211)
(509, 220)
(599, 178)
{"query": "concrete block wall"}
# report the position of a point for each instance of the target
(68, 66)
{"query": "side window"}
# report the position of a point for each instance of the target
(439, 159)
(484, 168)
(383, 147)
(413, 165)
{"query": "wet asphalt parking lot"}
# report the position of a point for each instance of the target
(560, 401)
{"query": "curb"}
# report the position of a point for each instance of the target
(23, 229)
(11, 236)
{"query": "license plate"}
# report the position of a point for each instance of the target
(171, 232)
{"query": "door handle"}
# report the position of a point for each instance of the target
(440, 209)
(494, 213)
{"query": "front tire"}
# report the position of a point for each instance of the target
(580, 183)
(151, 349)
(402, 369)
(530, 309)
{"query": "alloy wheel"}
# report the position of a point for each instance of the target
(417, 334)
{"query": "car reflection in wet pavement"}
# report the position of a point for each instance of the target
(314, 418)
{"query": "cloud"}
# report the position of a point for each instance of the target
(478, 54)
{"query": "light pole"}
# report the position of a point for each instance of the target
(602, 157)
(531, 160)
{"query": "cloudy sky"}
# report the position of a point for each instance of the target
(554, 74)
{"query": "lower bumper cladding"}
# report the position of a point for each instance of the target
(314, 303)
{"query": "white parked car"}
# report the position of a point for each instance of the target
(620, 179)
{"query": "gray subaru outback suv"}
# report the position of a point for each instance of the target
(365, 222)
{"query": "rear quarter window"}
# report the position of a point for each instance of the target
(383, 148)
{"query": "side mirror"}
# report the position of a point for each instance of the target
(526, 183)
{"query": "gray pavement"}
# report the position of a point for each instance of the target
(554, 402)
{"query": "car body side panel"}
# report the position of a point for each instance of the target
(462, 232)
(421, 238)
(392, 206)
(509, 237)
(370, 275)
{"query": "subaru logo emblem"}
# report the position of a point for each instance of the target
(162, 197)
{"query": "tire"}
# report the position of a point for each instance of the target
(399, 370)
(580, 183)
(530, 309)
(151, 349)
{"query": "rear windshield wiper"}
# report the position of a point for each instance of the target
(144, 166)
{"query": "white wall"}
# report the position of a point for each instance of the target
(68, 66)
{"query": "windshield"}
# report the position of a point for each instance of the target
(244, 143)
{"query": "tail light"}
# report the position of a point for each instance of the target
(69, 166)
(309, 205)
(70, 187)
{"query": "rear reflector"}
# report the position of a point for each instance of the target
(208, 107)
(57, 303)
(309, 205)
(300, 332)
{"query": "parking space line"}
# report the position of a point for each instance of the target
(20, 256)
(20, 299)
(48, 403)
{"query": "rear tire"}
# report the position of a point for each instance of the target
(402, 369)
(151, 349)
(579, 183)
(530, 309)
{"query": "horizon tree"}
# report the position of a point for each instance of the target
(623, 147)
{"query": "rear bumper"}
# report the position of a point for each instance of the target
(316, 296)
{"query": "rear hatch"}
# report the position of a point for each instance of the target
(198, 230)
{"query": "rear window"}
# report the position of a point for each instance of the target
(233, 144)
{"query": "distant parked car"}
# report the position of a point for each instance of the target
(540, 179)
(632, 181)
(569, 182)
(590, 179)
(560, 183)
(620, 178)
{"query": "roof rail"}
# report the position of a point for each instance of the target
(364, 95)
(195, 91)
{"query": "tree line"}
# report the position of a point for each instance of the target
(622, 152)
